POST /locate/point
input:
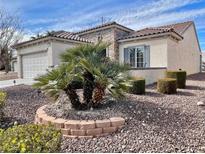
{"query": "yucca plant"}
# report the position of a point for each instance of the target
(98, 75)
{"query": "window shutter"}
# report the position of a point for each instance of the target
(126, 56)
(147, 56)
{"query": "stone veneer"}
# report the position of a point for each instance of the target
(109, 35)
(80, 128)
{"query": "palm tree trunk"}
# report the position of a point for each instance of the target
(99, 92)
(73, 96)
(88, 88)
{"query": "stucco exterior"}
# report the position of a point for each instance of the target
(203, 56)
(158, 50)
(58, 48)
(151, 75)
(184, 54)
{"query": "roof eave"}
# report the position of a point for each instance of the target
(103, 28)
(174, 34)
(43, 39)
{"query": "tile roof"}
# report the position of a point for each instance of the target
(58, 34)
(69, 35)
(178, 29)
(102, 26)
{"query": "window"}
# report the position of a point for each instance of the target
(137, 57)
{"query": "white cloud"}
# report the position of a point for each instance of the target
(151, 14)
(133, 15)
(166, 18)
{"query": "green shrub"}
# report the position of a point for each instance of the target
(138, 86)
(167, 86)
(1, 132)
(2, 103)
(30, 138)
(180, 76)
(2, 98)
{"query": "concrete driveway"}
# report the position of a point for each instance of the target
(9, 83)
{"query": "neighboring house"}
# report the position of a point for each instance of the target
(149, 51)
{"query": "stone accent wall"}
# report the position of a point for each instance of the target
(118, 34)
(108, 35)
(80, 128)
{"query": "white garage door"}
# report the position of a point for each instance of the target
(34, 65)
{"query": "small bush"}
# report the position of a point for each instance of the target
(138, 86)
(1, 132)
(30, 138)
(180, 76)
(2, 103)
(167, 86)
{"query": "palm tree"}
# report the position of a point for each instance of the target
(85, 63)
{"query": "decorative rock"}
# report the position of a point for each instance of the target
(200, 103)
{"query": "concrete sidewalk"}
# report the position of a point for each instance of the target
(9, 83)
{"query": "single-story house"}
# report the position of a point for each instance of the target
(149, 51)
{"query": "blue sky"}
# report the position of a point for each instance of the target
(73, 15)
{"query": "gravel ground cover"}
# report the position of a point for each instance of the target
(154, 122)
(21, 105)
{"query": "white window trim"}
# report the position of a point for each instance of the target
(146, 55)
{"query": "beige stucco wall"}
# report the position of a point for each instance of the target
(150, 75)
(158, 50)
(184, 54)
(203, 56)
(58, 48)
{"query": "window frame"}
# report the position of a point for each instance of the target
(145, 59)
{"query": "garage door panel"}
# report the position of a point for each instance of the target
(34, 64)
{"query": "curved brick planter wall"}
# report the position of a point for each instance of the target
(80, 128)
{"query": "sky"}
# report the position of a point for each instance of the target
(38, 16)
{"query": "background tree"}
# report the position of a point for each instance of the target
(10, 33)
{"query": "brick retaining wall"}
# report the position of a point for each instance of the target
(80, 128)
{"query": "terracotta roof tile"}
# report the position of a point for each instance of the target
(58, 34)
(178, 28)
(103, 25)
